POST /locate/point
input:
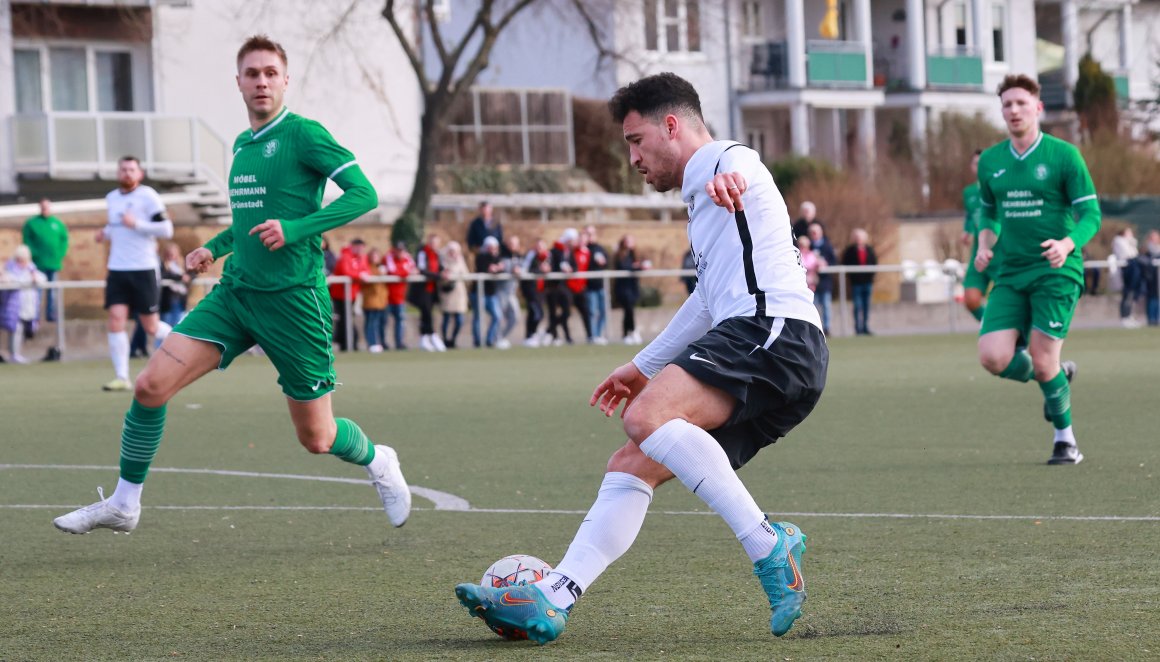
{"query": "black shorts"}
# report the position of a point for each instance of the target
(140, 290)
(774, 366)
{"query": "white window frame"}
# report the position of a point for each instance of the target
(752, 22)
(138, 58)
(681, 21)
(1001, 8)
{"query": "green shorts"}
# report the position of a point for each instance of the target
(1046, 305)
(293, 328)
(975, 279)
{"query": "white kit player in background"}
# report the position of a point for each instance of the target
(137, 218)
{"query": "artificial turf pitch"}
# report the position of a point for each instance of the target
(936, 531)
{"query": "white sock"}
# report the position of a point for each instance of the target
(163, 330)
(127, 497)
(1065, 434)
(698, 461)
(608, 530)
(379, 464)
(119, 354)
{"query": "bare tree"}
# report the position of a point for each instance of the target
(459, 64)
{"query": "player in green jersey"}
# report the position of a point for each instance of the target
(272, 294)
(975, 282)
(1039, 188)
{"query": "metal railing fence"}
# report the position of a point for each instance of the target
(951, 274)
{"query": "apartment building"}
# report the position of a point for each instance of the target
(84, 82)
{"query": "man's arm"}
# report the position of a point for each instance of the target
(691, 322)
(222, 244)
(62, 246)
(1082, 193)
(327, 157)
(158, 224)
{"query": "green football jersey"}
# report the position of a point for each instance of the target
(280, 172)
(1033, 197)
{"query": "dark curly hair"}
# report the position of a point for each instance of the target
(655, 96)
(1022, 81)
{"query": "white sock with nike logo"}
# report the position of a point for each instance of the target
(699, 462)
(608, 530)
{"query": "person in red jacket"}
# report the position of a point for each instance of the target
(352, 262)
(581, 259)
(398, 262)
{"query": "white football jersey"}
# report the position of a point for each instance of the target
(747, 263)
(135, 248)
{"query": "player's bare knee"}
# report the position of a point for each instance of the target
(149, 390)
(995, 362)
(316, 439)
(1045, 369)
(640, 422)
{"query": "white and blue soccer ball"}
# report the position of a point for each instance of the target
(515, 570)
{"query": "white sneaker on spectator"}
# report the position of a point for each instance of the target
(18, 358)
(503, 343)
(438, 342)
(391, 485)
(600, 340)
(532, 342)
(1130, 323)
(375, 349)
(426, 344)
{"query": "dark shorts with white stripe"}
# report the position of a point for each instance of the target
(774, 366)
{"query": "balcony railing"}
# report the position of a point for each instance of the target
(836, 63)
(955, 68)
(768, 66)
(89, 144)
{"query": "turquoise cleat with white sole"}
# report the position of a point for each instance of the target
(514, 612)
(781, 577)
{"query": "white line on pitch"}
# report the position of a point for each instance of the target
(442, 500)
(446, 501)
(546, 511)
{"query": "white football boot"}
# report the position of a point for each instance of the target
(392, 487)
(100, 515)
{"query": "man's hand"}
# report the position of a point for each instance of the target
(100, 236)
(270, 234)
(199, 260)
(128, 219)
(1057, 250)
(983, 259)
(624, 384)
(725, 190)
(966, 238)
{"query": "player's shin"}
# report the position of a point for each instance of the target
(1057, 396)
(1020, 368)
(699, 462)
(140, 437)
(608, 530)
(351, 444)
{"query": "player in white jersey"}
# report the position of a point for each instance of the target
(743, 361)
(137, 218)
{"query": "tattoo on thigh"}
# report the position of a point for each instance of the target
(171, 355)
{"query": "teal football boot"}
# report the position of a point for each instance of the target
(514, 612)
(780, 574)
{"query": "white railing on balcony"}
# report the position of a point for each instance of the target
(62, 144)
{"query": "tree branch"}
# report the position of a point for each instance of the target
(436, 35)
(408, 48)
(602, 51)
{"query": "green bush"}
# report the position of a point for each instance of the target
(789, 171)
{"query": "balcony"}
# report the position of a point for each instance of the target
(955, 68)
(836, 64)
(82, 144)
(768, 66)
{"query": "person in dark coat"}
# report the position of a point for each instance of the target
(860, 254)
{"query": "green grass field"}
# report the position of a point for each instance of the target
(935, 529)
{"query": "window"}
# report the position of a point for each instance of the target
(672, 25)
(80, 78)
(960, 24)
(29, 96)
(751, 26)
(70, 81)
(999, 31)
(114, 81)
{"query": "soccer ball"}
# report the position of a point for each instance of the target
(515, 570)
